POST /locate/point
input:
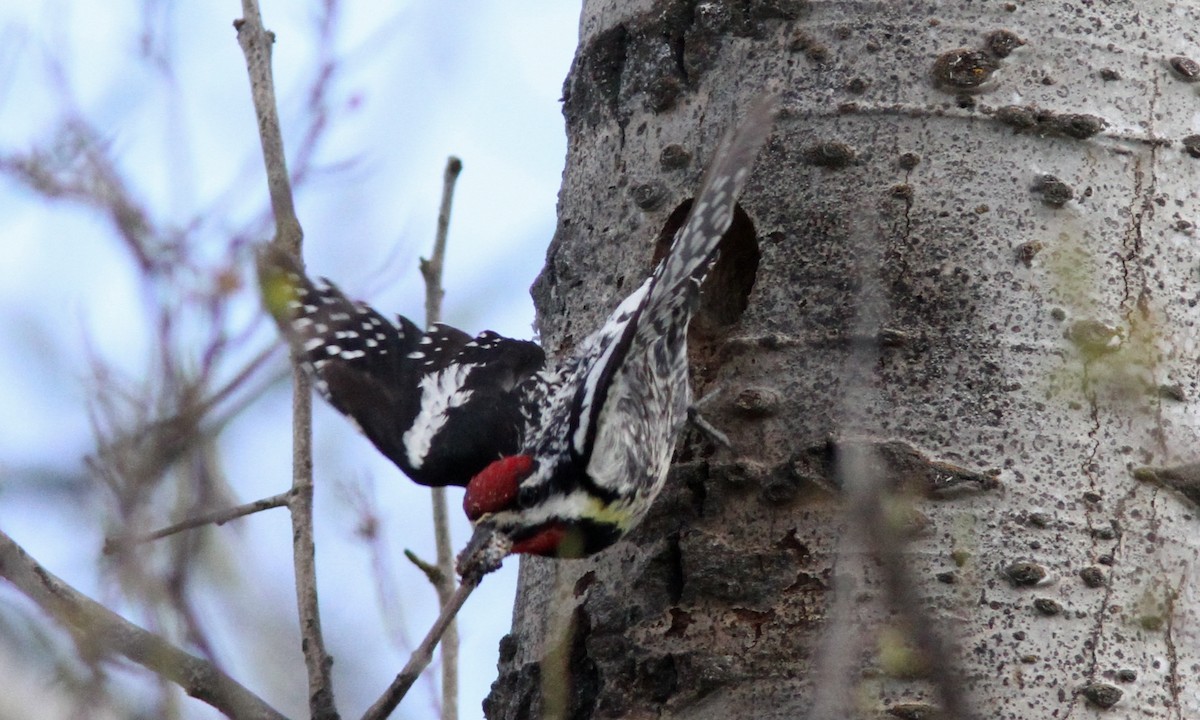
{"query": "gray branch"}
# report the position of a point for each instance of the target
(95, 626)
(256, 42)
(443, 580)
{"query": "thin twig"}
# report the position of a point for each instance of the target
(443, 580)
(96, 627)
(239, 379)
(423, 654)
(431, 269)
(433, 573)
(256, 42)
(217, 517)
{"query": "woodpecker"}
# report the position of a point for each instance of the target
(559, 458)
(603, 422)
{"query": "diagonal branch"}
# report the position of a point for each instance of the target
(97, 627)
(421, 656)
(484, 553)
(217, 517)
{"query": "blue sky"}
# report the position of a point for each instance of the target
(417, 81)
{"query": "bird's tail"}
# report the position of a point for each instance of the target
(695, 245)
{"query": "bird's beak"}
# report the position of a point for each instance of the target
(485, 551)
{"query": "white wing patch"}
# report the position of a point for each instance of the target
(440, 392)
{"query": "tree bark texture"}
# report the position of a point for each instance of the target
(968, 248)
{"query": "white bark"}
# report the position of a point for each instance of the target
(924, 289)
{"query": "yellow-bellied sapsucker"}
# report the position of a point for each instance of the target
(558, 458)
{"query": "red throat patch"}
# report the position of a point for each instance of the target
(495, 487)
(544, 542)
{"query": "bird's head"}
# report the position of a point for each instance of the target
(492, 496)
(513, 497)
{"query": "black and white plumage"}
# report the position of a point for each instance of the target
(560, 458)
(440, 404)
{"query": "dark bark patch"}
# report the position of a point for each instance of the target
(1054, 192)
(1037, 520)
(1172, 391)
(1102, 695)
(1018, 117)
(792, 543)
(592, 90)
(806, 582)
(654, 58)
(1093, 577)
(674, 157)
(1191, 145)
(1112, 531)
(909, 160)
(754, 618)
(1001, 43)
(779, 488)
(718, 570)
(1027, 251)
(757, 402)
(584, 582)
(648, 195)
(858, 86)
(1024, 573)
(680, 620)
(658, 677)
(1185, 68)
(1024, 118)
(813, 49)
(962, 69)
(829, 154)
(915, 711)
(515, 694)
(905, 467)
(1079, 126)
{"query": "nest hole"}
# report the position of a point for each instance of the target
(725, 294)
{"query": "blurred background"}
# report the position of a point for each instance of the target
(137, 378)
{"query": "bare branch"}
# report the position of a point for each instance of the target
(255, 42)
(431, 269)
(484, 553)
(443, 579)
(217, 517)
(96, 627)
(420, 658)
(432, 572)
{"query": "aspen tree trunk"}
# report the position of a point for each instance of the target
(967, 264)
